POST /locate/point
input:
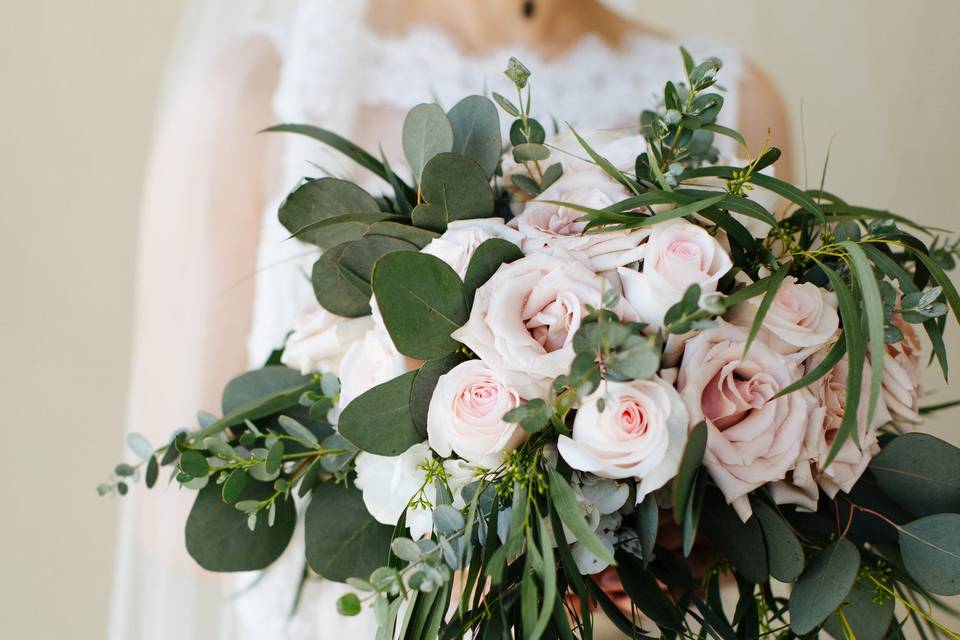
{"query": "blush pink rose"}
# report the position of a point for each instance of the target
(525, 316)
(639, 433)
(543, 224)
(466, 415)
(677, 254)
(753, 438)
(801, 319)
(830, 392)
(462, 237)
(903, 375)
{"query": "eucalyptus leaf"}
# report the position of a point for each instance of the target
(742, 542)
(920, 473)
(421, 300)
(218, 537)
(823, 586)
(323, 200)
(487, 258)
(426, 132)
(784, 552)
(930, 548)
(455, 188)
(476, 131)
(337, 289)
(868, 619)
(565, 504)
(342, 539)
(140, 445)
(379, 421)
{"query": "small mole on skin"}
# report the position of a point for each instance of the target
(528, 8)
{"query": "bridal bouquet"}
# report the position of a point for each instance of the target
(592, 371)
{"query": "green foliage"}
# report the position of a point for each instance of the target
(426, 132)
(784, 551)
(329, 211)
(422, 303)
(379, 421)
(565, 503)
(742, 542)
(823, 586)
(930, 548)
(866, 610)
(476, 131)
(454, 187)
(342, 539)
(484, 263)
(423, 385)
(690, 463)
(219, 538)
(920, 473)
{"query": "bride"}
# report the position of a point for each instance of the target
(217, 281)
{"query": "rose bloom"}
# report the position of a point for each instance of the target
(677, 254)
(390, 482)
(903, 374)
(752, 438)
(548, 225)
(466, 415)
(320, 339)
(369, 362)
(639, 433)
(462, 237)
(524, 318)
(801, 318)
(846, 468)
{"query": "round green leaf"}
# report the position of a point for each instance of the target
(823, 586)
(218, 537)
(455, 188)
(421, 300)
(742, 542)
(234, 486)
(485, 261)
(414, 235)
(322, 199)
(257, 385)
(867, 619)
(920, 473)
(342, 538)
(476, 131)
(379, 420)
(153, 469)
(194, 464)
(930, 548)
(784, 553)
(348, 604)
(426, 132)
(424, 384)
(338, 289)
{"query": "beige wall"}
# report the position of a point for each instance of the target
(78, 82)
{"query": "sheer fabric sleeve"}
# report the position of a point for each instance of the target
(205, 190)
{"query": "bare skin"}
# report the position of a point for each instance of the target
(553, 25)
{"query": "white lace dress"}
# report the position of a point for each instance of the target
(591, 85)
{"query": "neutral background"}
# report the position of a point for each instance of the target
(78, 85)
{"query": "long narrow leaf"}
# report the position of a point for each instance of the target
(606, 165)
(565, 503)
(725, 131)
(873, 307)
(832, 358)
(856, 352)
(772, 287)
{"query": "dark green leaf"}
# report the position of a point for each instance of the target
(274, 458)
(379, 421)
(153, 469)
(421, 300)
(645, 592)
(455, 188)
(337, 289)
(930, 548)
(317, 211)
(921, 473)
(342, 539)
(424, 384)
(219, 540)
(823, 586)
(234, 486)
(823, 368)
(873, 307)
(647, 519)
(742, 542)
(689, 464)
(414, 235)
(772, 288)
(476, 131)
(868, 619)
(485, 261)
(348, 604)
(726, 131)
(426, 132)
(194, 464)
(566, 505)
(784, 553)
(606, 165)
(530, 152)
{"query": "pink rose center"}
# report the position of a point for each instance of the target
(479, 399)
(685, 250)
(632, 418)
(552, 324)
(731, 395)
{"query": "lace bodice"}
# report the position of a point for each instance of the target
(338, 74)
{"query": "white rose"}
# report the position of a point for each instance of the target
(389, 483)
(466, 415)
(846, 468)
(320, 339)
(753, 438)
(462, 237)
(369, 362)
(524, 317)
(677, 255)
(547, 225)
(640, 433)
(801, 319)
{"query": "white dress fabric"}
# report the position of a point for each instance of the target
(338, 74)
